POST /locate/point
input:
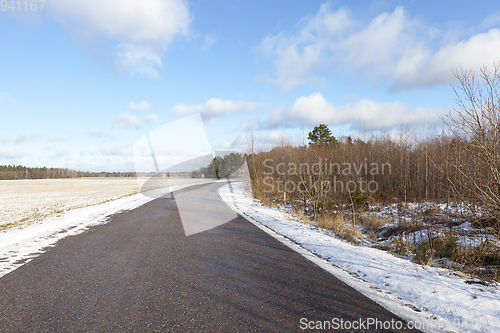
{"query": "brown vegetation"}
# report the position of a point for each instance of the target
(331, 181)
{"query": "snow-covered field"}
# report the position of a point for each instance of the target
(432, 299)
(23, 202)
(22, 242)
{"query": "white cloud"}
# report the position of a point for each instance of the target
(491, 20)
(25, 137)
(295, 54)
(263, 140)
(99, 134)
(150, 118)
(61, 153)
(391, 46)
(139, 107)
(249, 123)
(273, 137)
(365, 114)
(139, 60)
(215, 107)
(28, 137)
(56, 137)
(226, 145)
(112, 151)
(209, 41)
(10, 153)
(4, 138)
(126, 121)
(241, 142)
(428, 70)
(139, 30)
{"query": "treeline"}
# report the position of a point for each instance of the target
(327, 175)
(321, 177)
(13, 172)
(332, 185)
(461, 166)
(220, 166)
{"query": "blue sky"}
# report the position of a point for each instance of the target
(81, 81)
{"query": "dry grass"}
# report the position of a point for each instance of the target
(372, 222)
(352, 235)
(336, 223)
(301, 215)
(340, 224)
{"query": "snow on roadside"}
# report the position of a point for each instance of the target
(20, 245)
(432, 299)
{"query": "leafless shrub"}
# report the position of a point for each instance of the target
(475, 125)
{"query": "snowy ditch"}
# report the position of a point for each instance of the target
(433, 299)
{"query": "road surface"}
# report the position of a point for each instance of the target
(141, 273)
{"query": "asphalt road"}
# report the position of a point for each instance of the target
(141, 273)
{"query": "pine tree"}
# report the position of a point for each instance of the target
(321, 136)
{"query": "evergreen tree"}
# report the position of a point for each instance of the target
(321, 136)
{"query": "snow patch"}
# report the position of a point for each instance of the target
(434, 299)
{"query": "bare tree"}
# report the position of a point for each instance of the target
(475, 124)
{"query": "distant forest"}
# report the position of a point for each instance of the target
(221, 167)
(11, 172)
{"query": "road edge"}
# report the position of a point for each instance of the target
(396, 307)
